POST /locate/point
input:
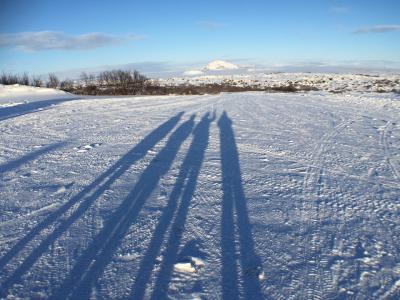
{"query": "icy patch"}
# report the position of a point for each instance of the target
(85, 148)
(193, 265)
(184, 268)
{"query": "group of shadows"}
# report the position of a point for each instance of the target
(235, 248)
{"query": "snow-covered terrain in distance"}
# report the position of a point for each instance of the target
(193, 73)
(235, 196)
(330, 82)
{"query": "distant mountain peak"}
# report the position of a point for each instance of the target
(218, 65)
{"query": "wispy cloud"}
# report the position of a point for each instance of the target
(378, 29)
(52, 40)
(211, 25)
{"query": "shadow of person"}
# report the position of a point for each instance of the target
(234, 200)
(178, 206)
(85, 199)
(90, 265)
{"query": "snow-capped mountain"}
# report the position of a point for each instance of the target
(219, 65)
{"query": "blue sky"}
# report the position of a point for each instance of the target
(43, 36)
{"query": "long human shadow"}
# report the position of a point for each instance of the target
(8, 166)
(97, 187)
(99, 253)
(183, 189)
(234, 200)
(30, 107)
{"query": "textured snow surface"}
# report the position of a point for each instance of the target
(246, 195)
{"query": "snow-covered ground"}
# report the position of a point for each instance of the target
(245, 195)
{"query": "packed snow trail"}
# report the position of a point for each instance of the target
(234, 199)
(192, 164)
(115, 171)
(183, 188)
(233, 196)
(92, 262)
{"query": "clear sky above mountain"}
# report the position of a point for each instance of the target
(42, 36)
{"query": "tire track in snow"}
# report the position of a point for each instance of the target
(374, 205)
(315, 184)
(256, 115)
(384, 140)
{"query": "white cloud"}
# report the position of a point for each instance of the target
(378, 29)
(52, 40)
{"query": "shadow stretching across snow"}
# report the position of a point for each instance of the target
(178, 205)
(237, 243)
(8, 166)
(90, 265)
(30, 107)
(234, 200)
(85, 198)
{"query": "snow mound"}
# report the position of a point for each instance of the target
(218, 65)
(17, 92)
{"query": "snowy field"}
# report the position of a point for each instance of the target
(233, 196)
